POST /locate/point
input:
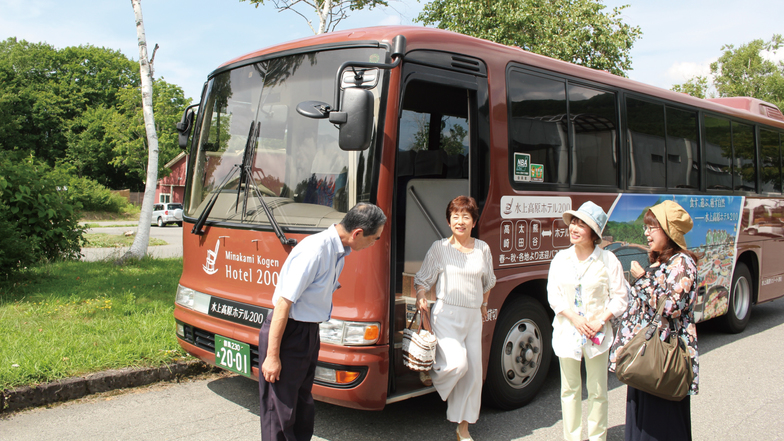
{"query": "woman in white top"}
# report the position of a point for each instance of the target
(461, 269)
(585, 289)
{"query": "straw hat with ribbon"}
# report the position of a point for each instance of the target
(674, 220)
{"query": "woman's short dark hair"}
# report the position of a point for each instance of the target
(462, 203)
(367, 217)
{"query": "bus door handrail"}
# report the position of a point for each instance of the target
(424, 212)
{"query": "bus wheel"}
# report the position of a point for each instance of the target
(739, 309)
(520, 355)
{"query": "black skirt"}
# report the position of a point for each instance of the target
(650, 418)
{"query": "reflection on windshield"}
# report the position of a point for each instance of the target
(295, 162)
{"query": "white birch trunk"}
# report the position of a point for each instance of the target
(323, 14)
(142, 240)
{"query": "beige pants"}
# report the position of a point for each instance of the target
(457, 371)
(571, 397)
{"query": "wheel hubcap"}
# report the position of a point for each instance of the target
(741, 298)
(522, 353)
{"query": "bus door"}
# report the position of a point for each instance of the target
(437, 140)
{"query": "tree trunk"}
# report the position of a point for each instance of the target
(323, 14)
(142, 239)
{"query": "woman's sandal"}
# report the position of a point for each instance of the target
(424, 377)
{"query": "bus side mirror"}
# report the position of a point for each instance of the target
(185, 125)
(355, 119)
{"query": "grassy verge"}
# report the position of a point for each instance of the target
(102, 240)
(131, 215)
(72, 318)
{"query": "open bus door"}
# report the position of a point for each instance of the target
(437, 145)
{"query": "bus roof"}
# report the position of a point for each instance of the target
(495, 53)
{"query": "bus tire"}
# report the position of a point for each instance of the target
(739, 308)
(520, 355)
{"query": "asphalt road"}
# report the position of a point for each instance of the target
(172, 235)
(741, 391)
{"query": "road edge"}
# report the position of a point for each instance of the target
(23, 397)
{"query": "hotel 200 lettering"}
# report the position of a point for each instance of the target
(259, 276)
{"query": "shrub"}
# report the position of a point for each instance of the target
(91, 195)
(36, 212)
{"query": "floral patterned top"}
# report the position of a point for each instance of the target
(677, 280)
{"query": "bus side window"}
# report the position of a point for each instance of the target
(745, 170)
(718, 153)
(538, 125)
(646, 142)
(771, 158)
(595, 136)
(683, 161)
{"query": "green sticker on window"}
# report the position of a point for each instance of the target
(522, 167)
(537, 172)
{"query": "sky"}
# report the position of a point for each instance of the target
(680, 37)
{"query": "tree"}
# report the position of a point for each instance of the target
(43, 90)
(142, 240)
(696, 87)
(743, 71)
(577, 31)
(330, 12)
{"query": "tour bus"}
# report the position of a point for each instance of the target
(285, 140)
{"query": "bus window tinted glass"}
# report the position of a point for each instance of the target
(743, 145)
(683, 162)
(595, 134)
(771, 161)
(646, 144)
(718, 154)
(538, 128)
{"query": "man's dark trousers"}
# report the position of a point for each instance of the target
(287, 411)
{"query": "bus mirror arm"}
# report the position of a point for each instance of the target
(185, 125)
(398, 52)
(355, 117)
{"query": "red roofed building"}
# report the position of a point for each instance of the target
(172, 187)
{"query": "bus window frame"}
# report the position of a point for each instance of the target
(379, 127)
(567, 80)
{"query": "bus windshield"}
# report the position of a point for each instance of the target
(252, 145)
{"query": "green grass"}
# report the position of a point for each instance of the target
(131, 215)
(103, 240)
(73, 318)
(118, 224)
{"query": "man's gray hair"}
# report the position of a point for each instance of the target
(366, 216)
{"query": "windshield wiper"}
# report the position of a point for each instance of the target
(214, 198)
(246, 178)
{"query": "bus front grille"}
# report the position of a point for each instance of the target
(206, 340)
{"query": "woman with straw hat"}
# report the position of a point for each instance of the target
(585, 289)
(672, 273)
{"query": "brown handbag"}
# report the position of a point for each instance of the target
(660, 368)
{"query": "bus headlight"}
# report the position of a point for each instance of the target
(339, 332)
(192, 299)
(185, 297)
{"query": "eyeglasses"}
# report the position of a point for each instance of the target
(649, 228)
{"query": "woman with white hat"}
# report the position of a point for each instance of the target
(672, 273)
(585, 289)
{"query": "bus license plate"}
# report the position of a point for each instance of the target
(232, 355)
